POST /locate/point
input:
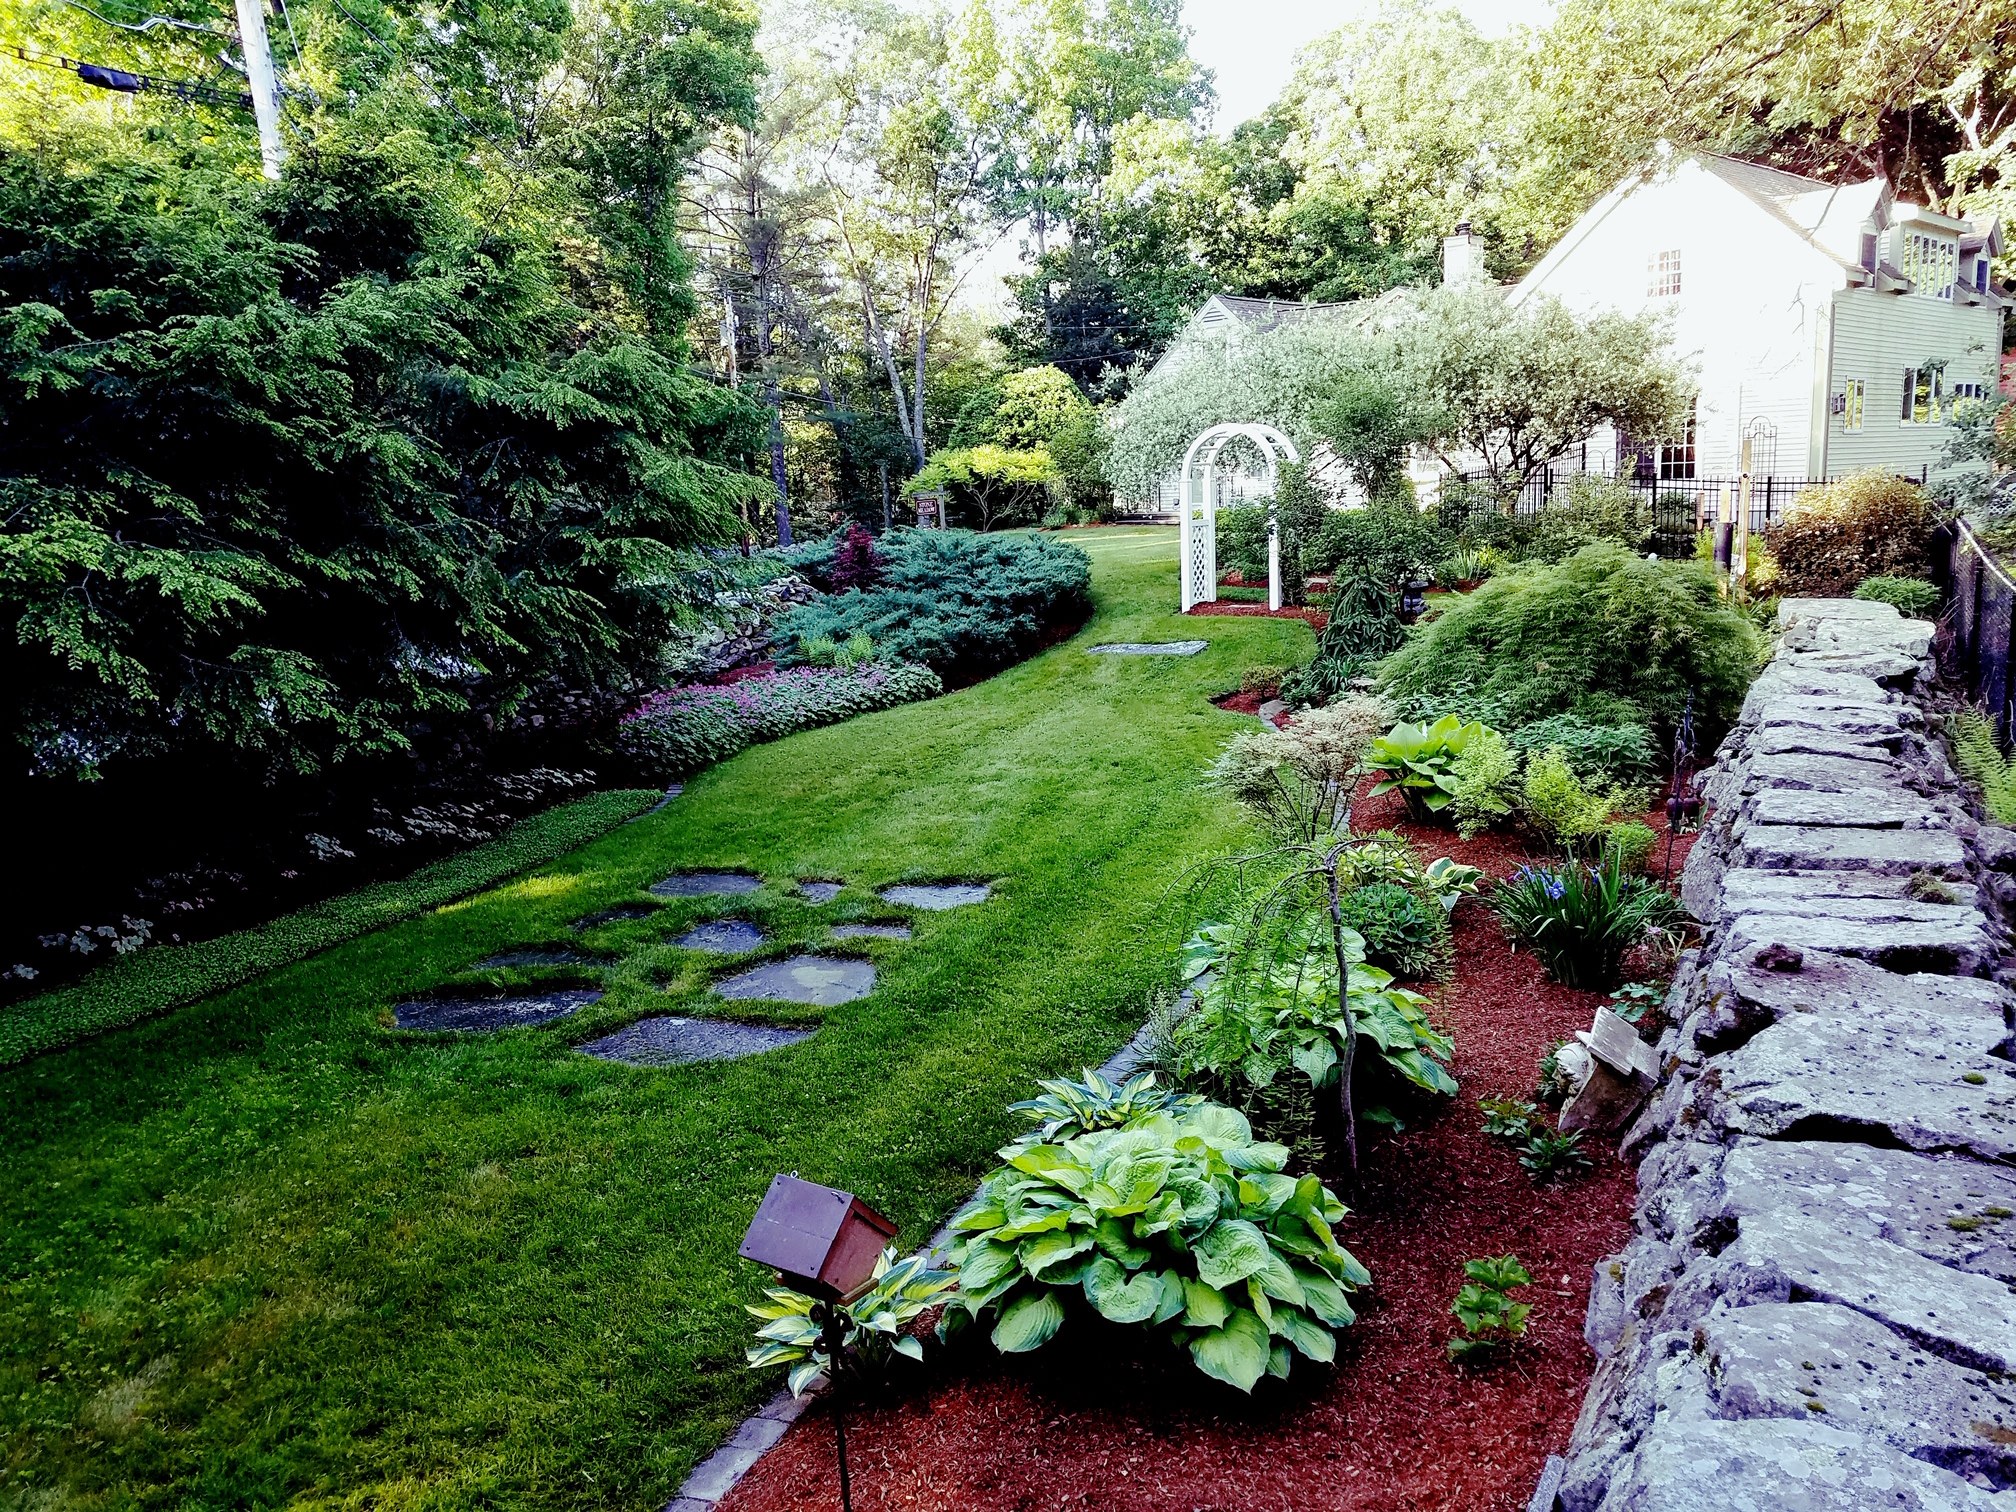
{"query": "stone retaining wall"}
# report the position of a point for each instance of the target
(1818, 1310)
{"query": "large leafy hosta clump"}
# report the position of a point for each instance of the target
(1180, 1222)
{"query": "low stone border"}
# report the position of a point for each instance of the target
(1818, 1310)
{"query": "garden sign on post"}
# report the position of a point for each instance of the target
(1199, 544)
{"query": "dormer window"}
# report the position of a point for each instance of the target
(1931, 262)
(1981, 275)
(1662, 274)
(1869, 251)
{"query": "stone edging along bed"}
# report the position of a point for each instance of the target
(1819, 1307)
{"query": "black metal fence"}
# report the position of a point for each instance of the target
(1980, 615)
(1680, 506)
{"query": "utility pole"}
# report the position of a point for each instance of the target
(265, 84)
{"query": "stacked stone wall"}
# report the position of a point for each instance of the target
(1818, 1310)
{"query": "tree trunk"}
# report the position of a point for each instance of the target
(1349, 1061)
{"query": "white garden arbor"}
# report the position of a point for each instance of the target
(1199, 543)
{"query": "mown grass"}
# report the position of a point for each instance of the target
(266, 1249)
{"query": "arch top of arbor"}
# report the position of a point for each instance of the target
(1273, 445)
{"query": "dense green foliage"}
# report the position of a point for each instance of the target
(1066, 1109)
(873, 1327)
(487, 1269)
(1402, 934)
(1180, 1221)
(676, 733)
(1835, 535)
(168, 976)
(1364, 627)
(1389, 544)
(963, 604)
(1418, 761)
(294, 470)
(1604, 630)
(1914, 598)
(1981, 760)
(1599, 752)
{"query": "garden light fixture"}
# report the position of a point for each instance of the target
(825, 1243)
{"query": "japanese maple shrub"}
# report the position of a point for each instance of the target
(1178, 1222)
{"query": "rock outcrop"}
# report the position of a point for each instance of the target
(1818, 1310)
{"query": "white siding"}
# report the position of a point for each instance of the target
(1876, 336)
(1750, 312)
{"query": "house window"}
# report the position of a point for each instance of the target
(1961, 391)
(1924, 394)
(1869, 251)
(1854, 398)
(1981, 275)
(1662, 275)
(1675, 459)
(1931, 263)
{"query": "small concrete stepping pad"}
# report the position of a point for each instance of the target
(1150, 648)
(533, 958)
(937, 896)
(820, 892)
(672, 1041)
(705, 884)
(722, 937)
(514, 1012)
(615, 915)
(824, 981)
(871, 931)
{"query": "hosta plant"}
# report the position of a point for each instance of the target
(1418, 761)
(1547, 1153)
(1180, 1223)
(873, 1325)
(1069, 1108)
(1491, 1320)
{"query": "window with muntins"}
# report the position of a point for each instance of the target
(1931, 263)
(1854, 400)
(1675, 458)
(1662, 274)
(1924, 395)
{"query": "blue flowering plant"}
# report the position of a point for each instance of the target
(1582, 920)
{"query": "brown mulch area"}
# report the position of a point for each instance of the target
(1092, 1421)
(1244, 702)
(1315, 618)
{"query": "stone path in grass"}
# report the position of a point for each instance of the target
(704, 884)
(512, 1012)
(1151, 648)
(722, 937)
(671, 1041)
(937, 896)
(509, 958)
(822, 981)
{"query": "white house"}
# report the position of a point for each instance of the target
(1832, 327)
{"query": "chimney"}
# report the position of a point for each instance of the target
(1462, 257)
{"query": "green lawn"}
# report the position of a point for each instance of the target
(265, 1249)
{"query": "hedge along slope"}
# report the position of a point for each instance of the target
(168, 976)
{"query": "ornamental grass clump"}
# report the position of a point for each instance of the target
(1179, 1223)
(1582, 920)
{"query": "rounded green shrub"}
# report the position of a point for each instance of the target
(1914, 598)
(1401, 934)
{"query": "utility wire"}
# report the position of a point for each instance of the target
(125, 82)
(150, 23)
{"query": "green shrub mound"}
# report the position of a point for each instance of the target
(678, 732)
(1602, 629)
(1364, 627)
(1912, 597)
(962, 604)
(1401, 934)
(1177, 1222)
(155, 980)
(1869, 524)
(1387, 543)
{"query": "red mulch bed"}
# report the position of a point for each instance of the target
(1243, 702)
(1091, 1422)
(1315, 618)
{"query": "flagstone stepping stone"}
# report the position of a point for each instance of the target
(1150, 648)
(871, 931)
(669, 1041)
(820, 892)
(937, 896)
(704, 884)
(506, 958)
(722, 937)
(824, 981)
(614, 915)
(516, 1011)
